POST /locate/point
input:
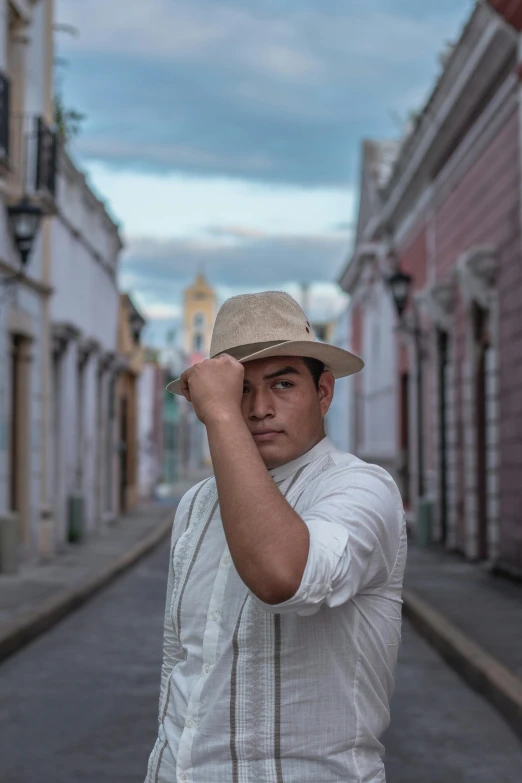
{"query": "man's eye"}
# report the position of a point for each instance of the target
(283, 385)
(245, 389)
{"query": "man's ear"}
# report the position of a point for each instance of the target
(326, 390)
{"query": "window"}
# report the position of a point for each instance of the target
(199, 321)
(198, 343)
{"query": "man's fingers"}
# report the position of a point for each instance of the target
(184, 385)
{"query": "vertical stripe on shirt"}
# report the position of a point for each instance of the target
(189, 517)
(277, 700)
(297, 475)
(160, 757)
(233, 697)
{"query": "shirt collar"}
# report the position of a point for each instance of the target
(284, 471)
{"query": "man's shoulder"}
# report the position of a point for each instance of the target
(194, 492)
(345, 461)
(347, 471)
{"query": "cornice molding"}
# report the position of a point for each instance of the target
(476, 272)
(439, 299)
(351, 276)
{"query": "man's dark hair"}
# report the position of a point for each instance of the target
(316, 368)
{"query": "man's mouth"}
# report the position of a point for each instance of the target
(261, 435)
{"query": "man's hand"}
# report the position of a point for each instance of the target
(214, 387)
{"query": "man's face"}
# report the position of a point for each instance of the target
(283, 409)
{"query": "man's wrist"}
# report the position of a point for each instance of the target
(222, 417)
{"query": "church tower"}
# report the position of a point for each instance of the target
(200, 310)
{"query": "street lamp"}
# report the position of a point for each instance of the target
(400, 284)
(136, 323)
(24, 219)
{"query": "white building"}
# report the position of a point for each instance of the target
(151, 392)
(84, 312)
(28, 149)
(339, 417)
(371, 329)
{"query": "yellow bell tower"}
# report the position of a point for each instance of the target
(200, 310)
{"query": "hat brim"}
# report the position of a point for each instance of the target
(340, 362)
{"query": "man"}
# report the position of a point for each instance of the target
(283, 612)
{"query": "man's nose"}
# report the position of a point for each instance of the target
(260, 404)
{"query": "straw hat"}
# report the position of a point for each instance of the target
(259, 326)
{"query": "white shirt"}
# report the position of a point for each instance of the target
(295, 692)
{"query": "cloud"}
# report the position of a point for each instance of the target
(235, 232)
(158, 271)
(171, 205)
(161, 311)
(345, 226)
(160, 268)
(270, 91)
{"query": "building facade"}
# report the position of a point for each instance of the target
(199, 314)
(130, 362)
(370, 331)
(173, 363)
(151, 391)
(341, 413)
(85, 247)
(450, 217)
(28, 158)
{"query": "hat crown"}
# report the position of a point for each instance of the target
(266, 317)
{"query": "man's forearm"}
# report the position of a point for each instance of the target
(267, 539)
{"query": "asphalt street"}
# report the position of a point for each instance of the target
(80, 703)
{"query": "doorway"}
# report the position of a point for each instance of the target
(19, 452)
(482, 349)
(405, 437)
(14, 439)
(443, 365)
(124, 450)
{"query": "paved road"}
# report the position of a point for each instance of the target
(80, 703)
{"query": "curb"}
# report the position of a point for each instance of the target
(31, 625)
(482, 671)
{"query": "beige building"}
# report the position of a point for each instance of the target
(199, 314)
(130, 365)
(200, 308)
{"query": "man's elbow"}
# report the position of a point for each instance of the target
(278, 592)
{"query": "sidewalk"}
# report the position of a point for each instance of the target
(40, 595)
(474, 619)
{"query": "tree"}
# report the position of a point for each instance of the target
(69, 121)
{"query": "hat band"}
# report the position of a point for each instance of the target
(239, 351)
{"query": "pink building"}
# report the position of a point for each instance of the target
(449, 215)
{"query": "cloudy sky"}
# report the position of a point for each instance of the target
(225, 134)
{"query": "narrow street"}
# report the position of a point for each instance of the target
(80, 703)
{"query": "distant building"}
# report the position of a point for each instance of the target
(151, 391)
(173, 362)
(339, 419)
(130, 367)
(371, 323)
(199, 314)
